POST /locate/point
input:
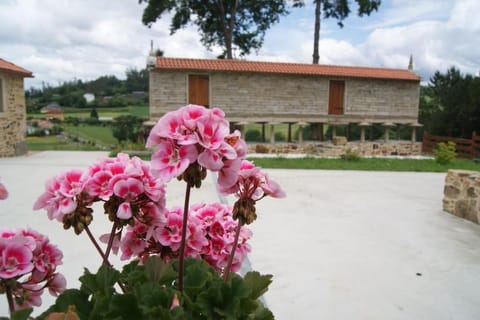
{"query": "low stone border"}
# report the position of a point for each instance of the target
(329, 149)
(462, 194)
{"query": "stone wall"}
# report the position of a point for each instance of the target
(328, 149)
(12, 119)
(256, 97)
(462, 194)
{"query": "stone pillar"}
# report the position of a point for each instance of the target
(387, 126)
(334, 131)
(272, 132)
(414, 126)
(289, 137)
(362, 126)
(241, 127)
(300, 131)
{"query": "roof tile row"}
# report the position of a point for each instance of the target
(283, 68)
(7, 66)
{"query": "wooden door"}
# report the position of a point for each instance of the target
(335, 97)
(198, 90)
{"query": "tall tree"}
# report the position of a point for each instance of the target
(227, 23)
(337, 9)
(450, 105)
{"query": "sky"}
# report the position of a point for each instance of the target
(63, 40)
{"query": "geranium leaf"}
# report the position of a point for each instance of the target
(159, 271)
(71, 297)
(101, 282)
(22, 314)
(124, 307)
(257, 283)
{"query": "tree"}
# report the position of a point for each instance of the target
(126, 128)
(338, 9)
(226, 23)
(136, 80)
(450, 105)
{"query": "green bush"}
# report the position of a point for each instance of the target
(445, 152)
(279, 136)
(351, 155)
(253, 135)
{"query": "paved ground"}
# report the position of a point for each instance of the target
(343, 245)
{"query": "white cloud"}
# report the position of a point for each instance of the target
(63, 40)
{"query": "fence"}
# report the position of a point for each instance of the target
(466, 148)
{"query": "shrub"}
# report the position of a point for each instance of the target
(279, 136)
(445, 152)
(253, 135)
(351, 155)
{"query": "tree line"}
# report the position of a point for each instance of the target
(71, 93)
(450, 104)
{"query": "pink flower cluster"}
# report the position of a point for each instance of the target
(253, 183)
(210, 236)
(3, 192)
(127, 180)
(28, 258)
(196, 134)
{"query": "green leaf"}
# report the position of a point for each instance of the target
(257, 283)
(153, 294)
(70, 297)
(103, 281)
(133, 274)
(263, 313)
(124, 307)
(159, 271)
(22, 314)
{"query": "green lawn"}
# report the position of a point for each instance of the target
(54, 143)
(141, 111)
(101, 135)
(369, 164)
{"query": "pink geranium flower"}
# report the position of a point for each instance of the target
(15, 260)
(3, 192)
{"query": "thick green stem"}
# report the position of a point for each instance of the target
(11, 306)
(234, 248)
(181, 257)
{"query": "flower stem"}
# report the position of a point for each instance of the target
(234, 248)
(110, 243)
(11, 306)
(95, 243)
(181, 257)
(103, 255)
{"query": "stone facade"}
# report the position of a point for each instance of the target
(275, 98)
(12, 117)
(328, 149)
(462, 194)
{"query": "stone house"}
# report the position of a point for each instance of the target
(293, 93)
(12, 109)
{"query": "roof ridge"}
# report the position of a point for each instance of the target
(282, 63)
(235, 65)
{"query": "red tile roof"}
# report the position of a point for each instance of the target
(13, 68)
(283, 68)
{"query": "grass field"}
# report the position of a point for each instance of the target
(368, 164)
(141, 111)
(101, 135)
(54, 143)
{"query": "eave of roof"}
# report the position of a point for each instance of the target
(225, 65)
(9, 67)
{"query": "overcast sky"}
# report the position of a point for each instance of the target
(62, 40)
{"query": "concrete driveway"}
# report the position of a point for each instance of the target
(342, 245)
